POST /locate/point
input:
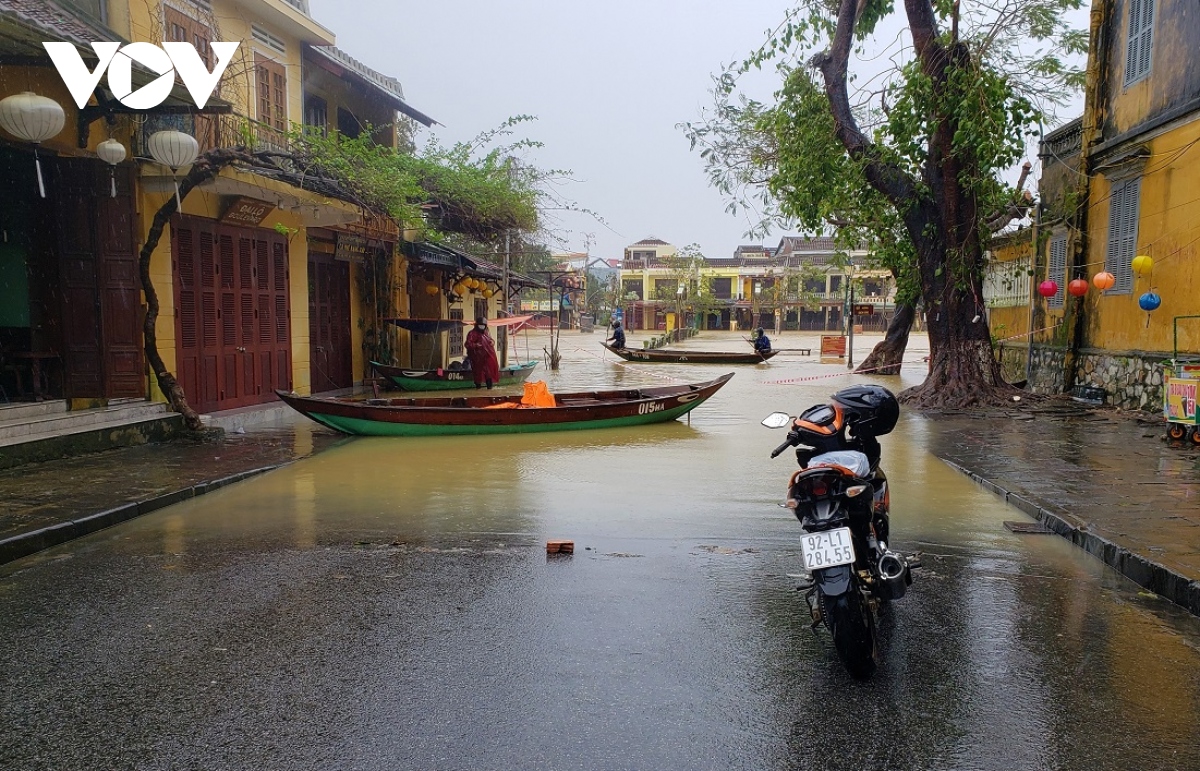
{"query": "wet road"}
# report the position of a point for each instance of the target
(388, 604)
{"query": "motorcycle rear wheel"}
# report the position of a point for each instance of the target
(852, 625)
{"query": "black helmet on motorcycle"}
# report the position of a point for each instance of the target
(870, 409)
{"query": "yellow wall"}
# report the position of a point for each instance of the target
(1168, 232)
(1013, 320)
(45, 81)
(142, 20)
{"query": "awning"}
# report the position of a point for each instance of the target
(427, 326)
(436, 254)
(433, 326)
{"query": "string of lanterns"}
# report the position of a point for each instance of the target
(1142, 265)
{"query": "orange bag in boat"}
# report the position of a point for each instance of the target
(538, 395)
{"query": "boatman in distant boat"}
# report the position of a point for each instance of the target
(481, 351)
(762, 343)
(618, 335)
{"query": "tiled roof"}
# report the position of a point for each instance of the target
(792, 244)
(387, 87)
(48, 21)
(650, 242)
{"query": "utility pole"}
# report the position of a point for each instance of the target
(850, 325)
(507, 256)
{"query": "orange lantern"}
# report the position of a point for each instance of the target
(1104, 280)
(431, 289)
(488, 293)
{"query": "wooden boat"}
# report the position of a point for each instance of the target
(504, 414)
(690, 357)
(448, 379)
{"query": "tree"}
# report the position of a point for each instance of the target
(917, 175)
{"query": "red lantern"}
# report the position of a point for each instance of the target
(1104, 280)
(1047, 288)
(1077, 287)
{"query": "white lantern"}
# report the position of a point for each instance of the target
(35, 119)
(173, 149)
(111, 152)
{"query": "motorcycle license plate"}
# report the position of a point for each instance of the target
(828, 549)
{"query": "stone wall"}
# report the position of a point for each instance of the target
(1132, 380)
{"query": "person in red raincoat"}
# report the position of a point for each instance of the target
(482, 353)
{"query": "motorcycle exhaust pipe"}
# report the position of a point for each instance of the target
(894, 577)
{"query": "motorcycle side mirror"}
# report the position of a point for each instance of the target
(777, 420)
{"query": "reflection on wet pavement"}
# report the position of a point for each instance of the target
(387, 603)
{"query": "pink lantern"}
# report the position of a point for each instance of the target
(1048, 288)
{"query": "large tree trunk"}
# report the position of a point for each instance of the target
(888, 355)
(205, 167)
(940, 215)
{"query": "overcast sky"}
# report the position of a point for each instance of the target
(608, 82)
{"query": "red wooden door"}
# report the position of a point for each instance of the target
(233, 325)
(101, 293)
(331, 360)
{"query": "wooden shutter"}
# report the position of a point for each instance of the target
(1122, 234)
(271, 86)
(1139, 42)
(1057, 271)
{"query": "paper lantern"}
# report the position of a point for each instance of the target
(1149, 301)
(34, 119)
(1103, 280)
(1077, 287)
(173, 149)
(111, 152)
(488, 293)
(1048, 289)
(1142, 264)
(459, 289)
(431, 289)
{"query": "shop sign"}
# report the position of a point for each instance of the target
(247, 211)
(864, 310)
(354, 248)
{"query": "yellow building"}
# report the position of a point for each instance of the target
(1121, 183)
(266, 279)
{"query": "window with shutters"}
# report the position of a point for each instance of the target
(1057, 271)
(271, 87)
(181, 28)
(1140, 41)
(1122, 233)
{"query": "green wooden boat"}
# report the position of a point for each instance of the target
(448, 379)
(440, 416)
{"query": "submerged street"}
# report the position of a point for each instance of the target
(388, 604)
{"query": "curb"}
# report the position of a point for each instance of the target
(1145, 573)
(23, 545)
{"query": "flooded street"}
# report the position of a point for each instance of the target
(388, 604)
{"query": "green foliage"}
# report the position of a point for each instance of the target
(476, 188)
(1005, 68)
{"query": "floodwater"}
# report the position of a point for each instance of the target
(388, 604)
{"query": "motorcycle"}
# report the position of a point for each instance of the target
(842, 502)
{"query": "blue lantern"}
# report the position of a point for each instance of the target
(1149, 301)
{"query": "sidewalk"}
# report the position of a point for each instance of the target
(45, 504)
(1104, 480)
